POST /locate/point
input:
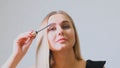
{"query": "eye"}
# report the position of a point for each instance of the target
(66, 26)
(51, 28)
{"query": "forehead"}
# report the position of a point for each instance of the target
(58, 18)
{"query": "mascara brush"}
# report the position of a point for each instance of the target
(36, 32)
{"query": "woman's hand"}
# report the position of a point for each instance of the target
(23, 42)
(21, 46)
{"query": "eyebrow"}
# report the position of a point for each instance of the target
(65, 21)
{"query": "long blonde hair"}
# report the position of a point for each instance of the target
(43, 53)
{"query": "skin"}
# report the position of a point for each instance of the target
(61, 38)
(20, 48)
(62, 29)
(63, 50)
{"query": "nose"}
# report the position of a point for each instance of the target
(60, 31)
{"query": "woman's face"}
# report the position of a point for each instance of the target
(61, 35)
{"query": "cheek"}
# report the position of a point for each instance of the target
(71, 36)
(51, 39)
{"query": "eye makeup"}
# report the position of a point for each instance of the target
(52, 27)
(64, 25)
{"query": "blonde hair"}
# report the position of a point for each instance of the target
(44, 56)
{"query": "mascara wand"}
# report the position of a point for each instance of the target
(36, 32)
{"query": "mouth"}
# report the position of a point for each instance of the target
(61, 40)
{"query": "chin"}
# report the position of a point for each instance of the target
(59, 48)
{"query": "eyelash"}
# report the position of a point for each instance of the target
(63, 27)
(66, 27)
(51, 29)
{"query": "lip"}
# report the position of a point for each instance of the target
(61, 40)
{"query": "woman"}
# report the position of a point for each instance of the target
(58, 45)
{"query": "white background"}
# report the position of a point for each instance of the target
(97, 22)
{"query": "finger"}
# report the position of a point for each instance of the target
(24, 37)
(27, 45)
(32, 34)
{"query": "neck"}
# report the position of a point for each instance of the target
(65, 59)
